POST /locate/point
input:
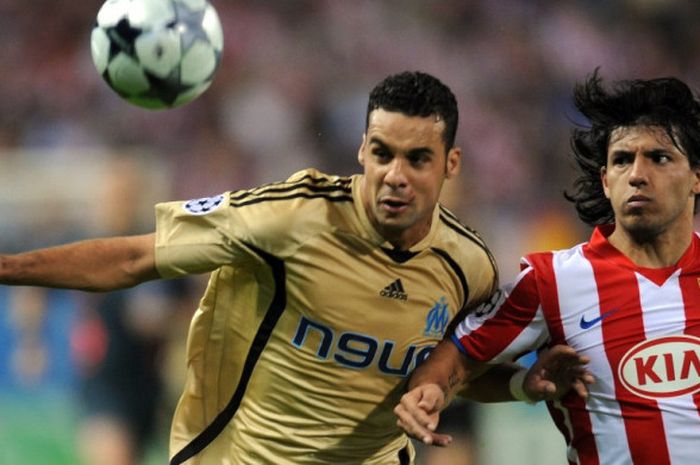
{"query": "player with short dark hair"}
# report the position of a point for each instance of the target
(417, 94)
(325, 292)
(629, 299)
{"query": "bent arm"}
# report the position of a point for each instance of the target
(431, 387)
(91, 265)
(448, 369)
(493, 385)
(558, 370)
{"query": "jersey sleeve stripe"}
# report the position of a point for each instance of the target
(306, 195)
(313, 184)
(272, 316)
(285, 189)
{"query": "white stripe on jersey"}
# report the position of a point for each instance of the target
(578, 301)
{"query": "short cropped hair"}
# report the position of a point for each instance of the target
(667, 103)
(414, 93)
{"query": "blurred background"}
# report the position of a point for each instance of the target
(78, 162)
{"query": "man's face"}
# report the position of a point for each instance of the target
(649, 182)
(405, 165)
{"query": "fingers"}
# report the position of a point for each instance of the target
(422, 434)
(580, 388)
(418, 414)
(557, 371)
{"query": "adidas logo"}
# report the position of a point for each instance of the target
(394, 291)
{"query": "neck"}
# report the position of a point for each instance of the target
(403, 240)
(651, 251)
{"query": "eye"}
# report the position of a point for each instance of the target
(418, 159)
(381, 153)
(621, 158)
(661, 158)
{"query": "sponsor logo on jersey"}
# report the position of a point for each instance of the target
(437, 319)
(394, 291)
(204, 205)
(586, 324)
(359, 351)
(667, 366)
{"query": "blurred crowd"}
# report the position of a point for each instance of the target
(291, 93)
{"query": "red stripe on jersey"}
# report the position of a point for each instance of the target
(582, 439)
(618, 291)
(495, 334)
(690, 288)
(546, 283)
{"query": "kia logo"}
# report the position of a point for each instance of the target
(667, 366)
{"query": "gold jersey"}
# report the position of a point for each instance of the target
(310, 322)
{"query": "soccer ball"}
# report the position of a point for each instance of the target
(157, 53)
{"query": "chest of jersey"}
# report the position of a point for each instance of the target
(643, 334)
(355, 307)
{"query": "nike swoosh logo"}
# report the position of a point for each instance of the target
(585, 324)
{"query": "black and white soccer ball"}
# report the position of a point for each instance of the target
(157, 53)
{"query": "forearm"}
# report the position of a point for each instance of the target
(92, 265)
(445, 368)
(492, 385)
(430, 389)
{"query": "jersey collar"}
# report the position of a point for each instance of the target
(600, 245)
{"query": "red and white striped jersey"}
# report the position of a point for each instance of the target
(639, 326)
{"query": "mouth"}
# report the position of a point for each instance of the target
(637, 201)
(393, 204)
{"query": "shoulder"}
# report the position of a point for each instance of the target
(547, 259)
(308, 184)
(468, 252)
(460, 240)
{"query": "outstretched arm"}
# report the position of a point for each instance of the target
(91, 265)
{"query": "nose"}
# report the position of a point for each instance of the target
(638, 172)
(396, 175)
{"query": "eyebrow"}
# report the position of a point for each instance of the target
(651, 152)
(412, 151)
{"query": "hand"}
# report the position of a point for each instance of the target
(419, 414)
(556, 372)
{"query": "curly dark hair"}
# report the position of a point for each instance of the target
(667, 103)
(414, 93)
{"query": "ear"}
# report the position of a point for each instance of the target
(454, 162)
(361, 151)
(696, 180)
(604, 181)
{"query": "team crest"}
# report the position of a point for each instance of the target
(437, 319)
(204, 205)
